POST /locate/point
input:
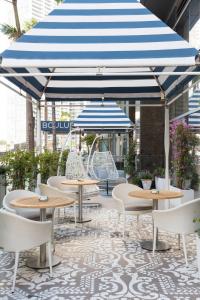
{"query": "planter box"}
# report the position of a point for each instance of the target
(160, 183)
(188, 195)
(198, 253)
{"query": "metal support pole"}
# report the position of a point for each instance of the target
(80, 200)
(46, 119)
(166, 143)
(122, 73)
(38, 140)
(43, 247)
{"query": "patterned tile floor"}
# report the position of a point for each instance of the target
(98, 265)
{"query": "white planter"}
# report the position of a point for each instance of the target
(160, 183)
(188, 195)
(146, 183)
(198, 253)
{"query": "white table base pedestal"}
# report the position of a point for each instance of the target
(35, 263)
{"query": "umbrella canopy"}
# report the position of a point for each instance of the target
(194, 103)
(102, 116)
(87, 41)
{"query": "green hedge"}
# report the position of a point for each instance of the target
(23, 166)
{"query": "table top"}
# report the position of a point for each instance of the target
(34, 202)
(80, 181)
(147, 194)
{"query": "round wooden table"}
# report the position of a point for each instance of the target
(162, 195)
(34, 202)
(80, 183)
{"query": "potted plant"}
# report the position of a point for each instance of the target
(183, 142)
(136, 180)
(146, 179)
(159, 175)
(197, 220)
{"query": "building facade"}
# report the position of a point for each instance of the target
(184, 17)
(41, 8)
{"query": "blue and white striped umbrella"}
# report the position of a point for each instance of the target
(102, 115)
(86, 36)
(194, 103)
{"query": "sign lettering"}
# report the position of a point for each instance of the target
(61, 126)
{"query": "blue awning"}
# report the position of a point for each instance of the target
(194, 103)
(85, 36)
(103, 116)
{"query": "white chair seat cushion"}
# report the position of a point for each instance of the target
(137, 202)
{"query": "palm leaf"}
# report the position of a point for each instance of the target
(10, 31)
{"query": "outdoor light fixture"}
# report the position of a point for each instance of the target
(162, 95)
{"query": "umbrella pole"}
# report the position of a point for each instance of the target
(38, 139)
(166, 145)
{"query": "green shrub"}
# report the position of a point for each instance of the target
(88, 139)
(145, 175)
(159, 172)
(48, 164)
(129, 161)
(63, 162)
(21, 169)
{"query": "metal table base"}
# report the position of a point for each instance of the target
(35, 263)
(160, 245)
(83, 220)
(41, 261)
(80, 218)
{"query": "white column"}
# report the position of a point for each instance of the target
(167, 144)
(127, 136)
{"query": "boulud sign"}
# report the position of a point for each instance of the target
(61, 126)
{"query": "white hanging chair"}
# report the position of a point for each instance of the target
(74, 167)
(75, 170)
(103, 166)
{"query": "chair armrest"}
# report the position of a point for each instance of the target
(25, 234)
(176, 220)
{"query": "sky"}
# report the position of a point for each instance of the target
(12, 106)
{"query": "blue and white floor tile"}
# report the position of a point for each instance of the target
(97, 265)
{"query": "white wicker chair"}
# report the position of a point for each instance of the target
(127, 205)
(178, 220)
(71, 191)
(20, 234)
(29, 213)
